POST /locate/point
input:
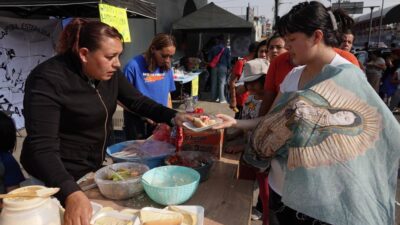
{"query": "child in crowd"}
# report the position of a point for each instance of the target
(10, 172)
(253, 74)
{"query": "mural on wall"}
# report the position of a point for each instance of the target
(23, 45)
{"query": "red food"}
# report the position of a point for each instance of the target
(162, 133)
(193, 162)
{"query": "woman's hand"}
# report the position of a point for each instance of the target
(182, 117)
(227, 121)
(78, 210)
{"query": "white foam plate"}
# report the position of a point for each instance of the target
(117, 215)
(190, 126)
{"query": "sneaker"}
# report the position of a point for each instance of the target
(223, 101)
(255, 214)
(217, 100)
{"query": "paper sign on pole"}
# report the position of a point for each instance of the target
(195, 86)
(115, 17)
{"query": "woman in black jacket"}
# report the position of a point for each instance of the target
(68, 106)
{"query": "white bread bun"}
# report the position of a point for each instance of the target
(197, 122)
(153, 216)
(188, 217)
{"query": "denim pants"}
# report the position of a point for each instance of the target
(218, 81)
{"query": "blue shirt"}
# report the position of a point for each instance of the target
(10, 171)
(155, 85)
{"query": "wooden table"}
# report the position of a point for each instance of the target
(225, 199)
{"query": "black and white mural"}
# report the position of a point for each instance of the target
(23, 45)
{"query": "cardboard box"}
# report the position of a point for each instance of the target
(207, 141)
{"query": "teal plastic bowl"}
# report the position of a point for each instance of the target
(170, 185)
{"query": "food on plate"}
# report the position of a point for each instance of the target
(188, 217)
(123, 174)
(108, 220)
(203, 121)
(160, 217)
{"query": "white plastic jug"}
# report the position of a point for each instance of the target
(32, 211)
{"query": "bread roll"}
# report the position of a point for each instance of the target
(160, 217)
(197, 122)
(164, 222)
(188, 217)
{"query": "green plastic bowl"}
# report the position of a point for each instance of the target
(170, 185)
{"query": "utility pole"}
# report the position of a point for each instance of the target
(380, 25)
(370, 22)
(276, 11)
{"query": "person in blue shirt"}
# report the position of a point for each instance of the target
(10, 171)
(219, 73)
(152, 75)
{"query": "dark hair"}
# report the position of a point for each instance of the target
(260, 80)
(159, 42)
(81, 33)
(273, 37)
(253, 47)
(347, 32)
(307, 17)
(262, 43)
(8, 131)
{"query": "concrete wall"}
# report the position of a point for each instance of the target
(142, 32)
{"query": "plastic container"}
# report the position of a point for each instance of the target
(124, 189)
(32, 211)
(170, 185)
(199, 161)
(151, 159)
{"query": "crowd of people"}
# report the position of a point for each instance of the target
(321, 141)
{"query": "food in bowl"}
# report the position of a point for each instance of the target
(123, 174)
(120, 188)
(150, 152)
(199, 161)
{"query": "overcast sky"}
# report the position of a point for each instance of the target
(266, 7)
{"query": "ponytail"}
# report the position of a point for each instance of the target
(81, 33)
(69, 39)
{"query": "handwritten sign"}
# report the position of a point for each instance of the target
(195, 86)
(115, 17)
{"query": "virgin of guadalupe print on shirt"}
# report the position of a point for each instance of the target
(339, 146)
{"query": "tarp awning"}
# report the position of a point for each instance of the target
(211, 17)
(390, 15)
(55, 7)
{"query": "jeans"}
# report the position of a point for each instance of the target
(218, 81)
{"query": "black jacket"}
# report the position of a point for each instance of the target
(68, 120)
